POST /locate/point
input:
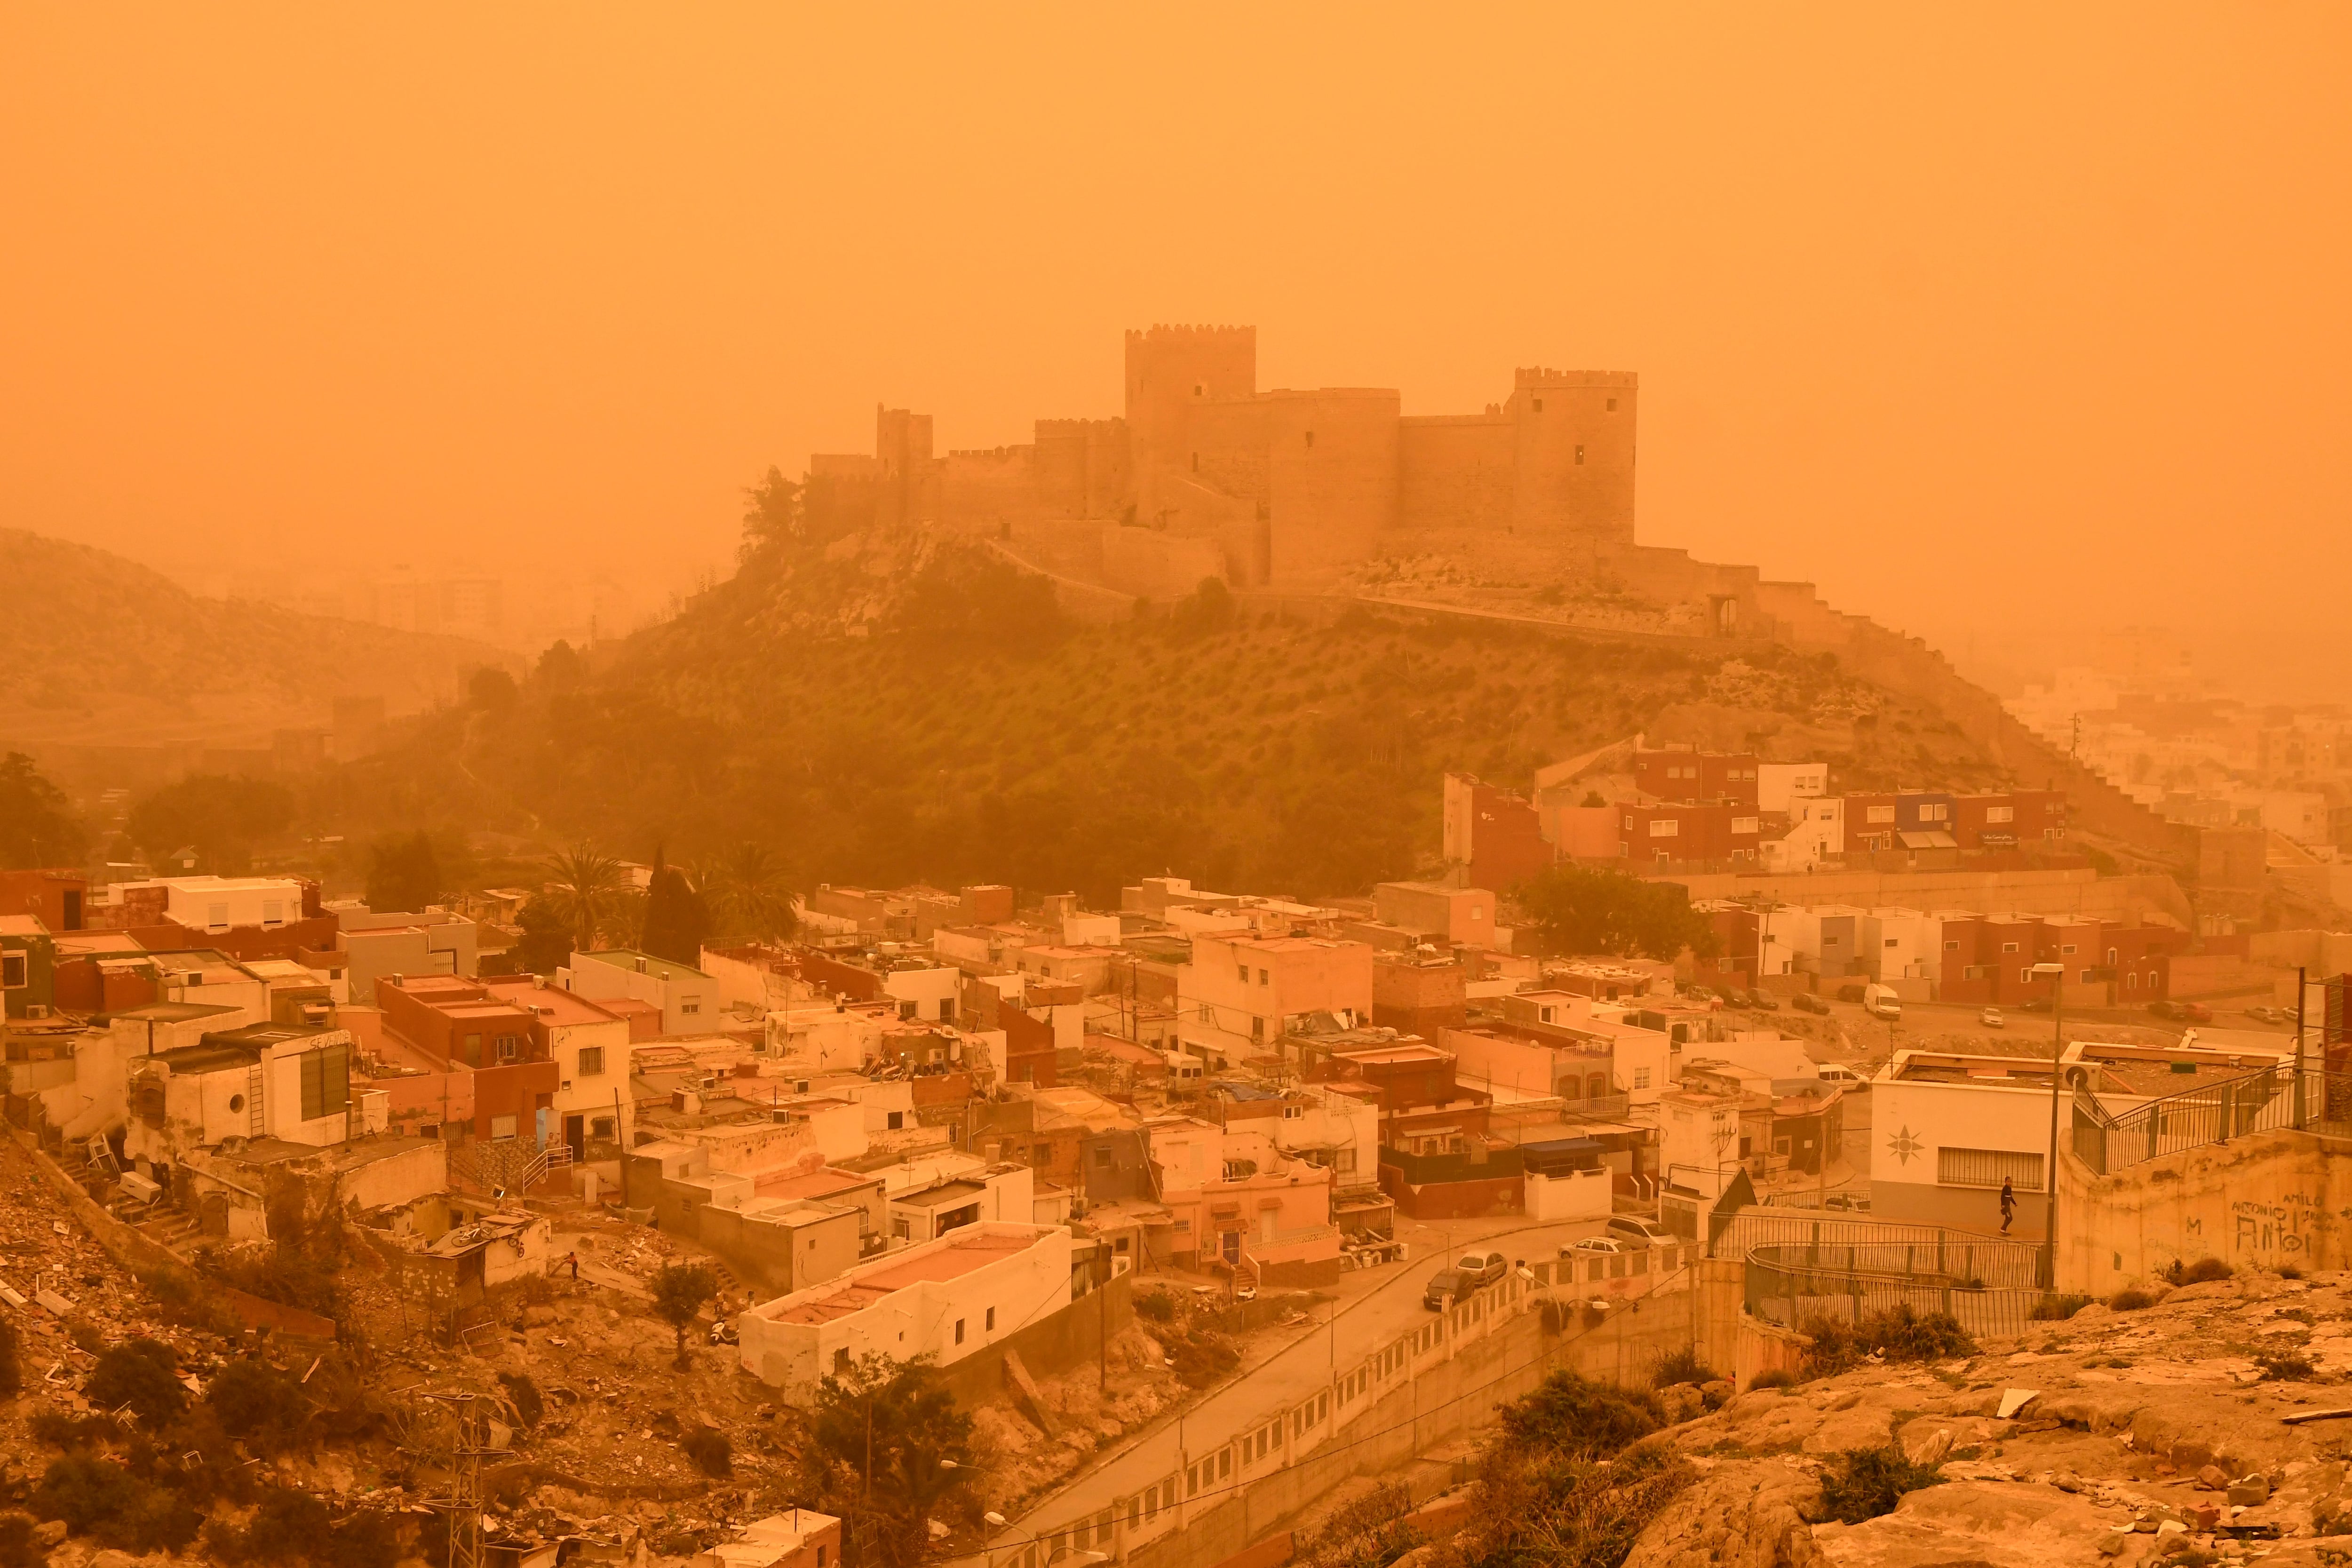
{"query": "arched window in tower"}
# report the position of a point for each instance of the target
(1613, 405)
(1310, 438)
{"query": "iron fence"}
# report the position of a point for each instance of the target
(1885, 1246)
(2270, 1099)
(1788, 1286)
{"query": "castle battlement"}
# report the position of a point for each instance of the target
(1204, 473)
(1192, 335)
(1539, 377)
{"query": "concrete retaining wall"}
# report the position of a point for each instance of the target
(2264, 1200)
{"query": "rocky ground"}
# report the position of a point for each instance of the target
(606, 1455)
(2112, 1439)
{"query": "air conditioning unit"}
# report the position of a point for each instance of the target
(36, 1009)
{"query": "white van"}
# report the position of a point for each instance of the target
(1880, 1002)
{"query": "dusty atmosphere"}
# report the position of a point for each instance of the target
(1207, 789)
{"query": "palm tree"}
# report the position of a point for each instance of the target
(748, 894)
(587, 891)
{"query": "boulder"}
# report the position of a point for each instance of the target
(1741, 1514)
(1682, 1403)
(2003, 1525)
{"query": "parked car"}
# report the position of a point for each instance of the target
(1853, 1201)
(1639, 1232)
(1764, 999)
(2197, 1011)
(1991, 1019)
(1806, 1002)
(1839, 1073)
(2268, 1016)
(1850, 993)
(1446, 1287)
(1607, 1245)
(1880, 1002)
(2165, 1009)
(1482, 1268)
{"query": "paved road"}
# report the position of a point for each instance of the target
(1374, 1306)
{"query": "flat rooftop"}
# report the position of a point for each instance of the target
(963, 1252)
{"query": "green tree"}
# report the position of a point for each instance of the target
(491, 688)
(887, 1448)
(748, 895)
(37, 825)
(403, 873)
(772, 511)
(222, 818)
(585, 890)
(675, 918)
(1580, 909)
(561, 668)
(679, 1291)
(546, 942)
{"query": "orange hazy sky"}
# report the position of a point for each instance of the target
(1984, 319)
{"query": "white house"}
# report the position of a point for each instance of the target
(687, 997)
(947, 1298)
(1783, 787)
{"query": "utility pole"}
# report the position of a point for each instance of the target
(2302, 1102)
(2056, 973)
(462, 1506)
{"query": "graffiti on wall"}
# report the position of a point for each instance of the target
(2284, 1225)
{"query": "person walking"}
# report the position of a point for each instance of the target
(2008, 1204)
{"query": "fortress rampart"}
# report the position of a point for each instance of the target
(1282, 490)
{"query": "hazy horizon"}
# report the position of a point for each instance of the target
(1996, 327)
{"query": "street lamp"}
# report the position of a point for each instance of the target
(2056, 974)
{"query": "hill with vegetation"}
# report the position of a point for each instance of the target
(880, 711)
(98, 650)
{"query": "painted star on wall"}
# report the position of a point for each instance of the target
(1904, 1144)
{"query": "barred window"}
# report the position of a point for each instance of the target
(1988, 1168)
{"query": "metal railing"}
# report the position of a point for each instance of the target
(1786, 1286)
(1825, 1236)
(2271, 1100)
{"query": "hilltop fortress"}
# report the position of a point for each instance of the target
(1207, 476)
(1524, 511)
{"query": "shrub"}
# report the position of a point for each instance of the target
(142, 1373)
(712, 1453)
(100, 1499)
(1566, 1414)
(1157, 1305)
(18, 1547)
(2130, 1300)
(58, 1429)
(1773, 1378)
(2290, 1367)
(1370, 1531)
(257, 1403)
(524, 1396)
(1863, 1483)
(1898, 1333)
(1680, 1366)
(2289, 1271)
(2059, 1307)
(1540, 1506)
(293, 1526)
(2198, 1272)
(1201, 1356)
(12, 1370)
